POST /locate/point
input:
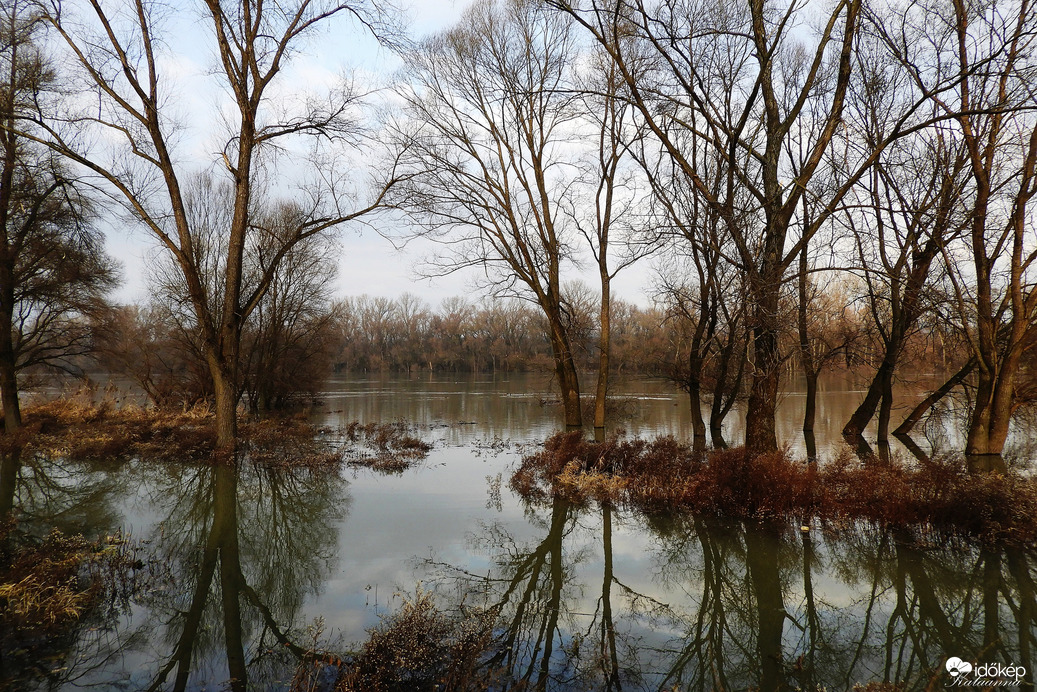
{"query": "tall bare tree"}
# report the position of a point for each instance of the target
(979, 63)
(613, 225)
(53, 270)
(743, 83)
(118, 50)
(489, 110)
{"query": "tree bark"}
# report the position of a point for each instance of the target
(565, 370)
(760, 429)
(226, 395)
(8, 367)
(604, 344)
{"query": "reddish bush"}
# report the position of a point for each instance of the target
(665, 475)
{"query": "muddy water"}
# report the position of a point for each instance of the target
(241, 572)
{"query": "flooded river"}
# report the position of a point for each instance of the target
(241, 569)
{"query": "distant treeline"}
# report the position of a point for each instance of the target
(295, 344)
(301, 336)
(406, 334)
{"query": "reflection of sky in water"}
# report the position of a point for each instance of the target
(355, 543)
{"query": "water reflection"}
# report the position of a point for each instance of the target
(244, 548)
(743, 605)
(216, 599)
(37, 496)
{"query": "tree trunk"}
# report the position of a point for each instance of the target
(989, 428)
(918, 411)
(565, 370)
(8, 364)
(226, 396)
(724, 396)
(760, 430)
(886, 404)
(810, 407)
(866, 410)
(806, 355)
(698, 425)
(605, 343)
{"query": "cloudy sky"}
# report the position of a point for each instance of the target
(369, 263)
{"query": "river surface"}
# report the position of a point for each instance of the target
(234, 563)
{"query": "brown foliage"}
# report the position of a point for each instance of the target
(664, 475)
(417, 648)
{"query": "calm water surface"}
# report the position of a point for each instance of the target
(237, 563)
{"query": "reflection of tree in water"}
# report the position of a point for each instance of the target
(42, 495)
(551, 636)
(744, 606)
(244, 549)
(888, 611)
(45, 494)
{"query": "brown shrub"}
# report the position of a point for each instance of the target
(418, 648)
(664, 475)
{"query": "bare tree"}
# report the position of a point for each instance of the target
(489, 109)
(743, 83)
(901, 216)
(118, 53)
(613, 224)
(54, 273)
(287, 347)
(978, 62)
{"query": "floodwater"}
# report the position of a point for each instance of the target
(241, 570)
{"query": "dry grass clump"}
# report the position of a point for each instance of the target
(76, 430)
(664, 475)
(71, 429)
(288, 443)
(385, 447)
(48, 585)
(416, 649)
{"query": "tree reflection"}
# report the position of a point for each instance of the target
(252, 543)
(54, 648)
(745, 605)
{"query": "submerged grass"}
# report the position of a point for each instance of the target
(384, 447)
(665, 475)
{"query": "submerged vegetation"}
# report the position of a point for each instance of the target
(938, 497)
(78, 431)
(75, 430)
(417, 648)
(385, 447)
(48, 589)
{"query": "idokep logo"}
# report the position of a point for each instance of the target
(955, 666)
(966, 674)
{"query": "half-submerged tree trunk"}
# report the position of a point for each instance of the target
(927, 403)
(806, 356)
